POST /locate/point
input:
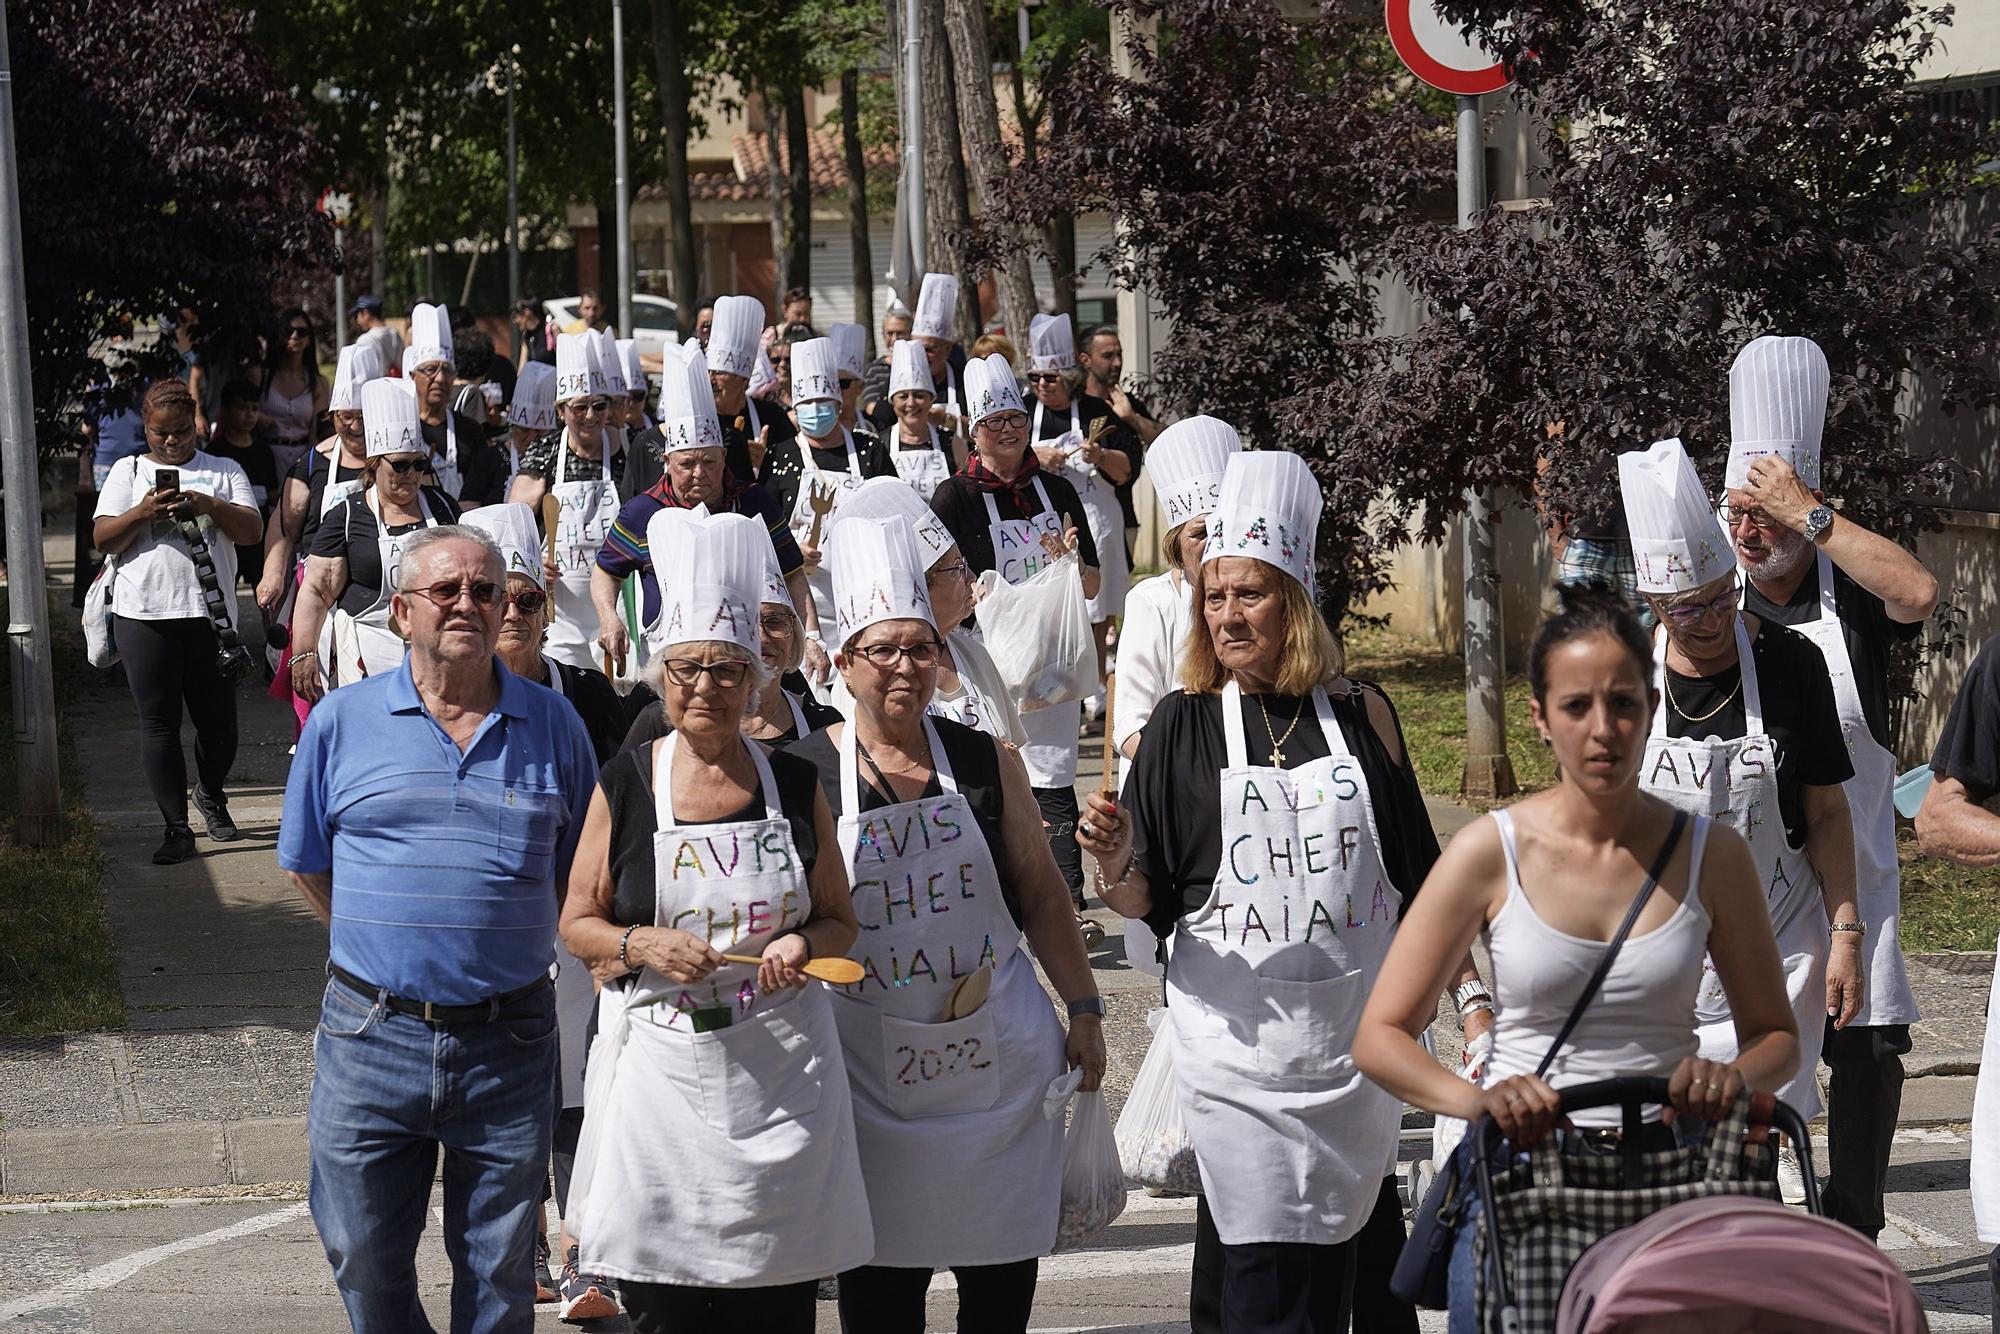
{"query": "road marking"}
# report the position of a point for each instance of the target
(1099, 1264)
(117, 1271)
(136, 1202)
(1923, 1236)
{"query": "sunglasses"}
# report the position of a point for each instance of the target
(1689, 613)
(686, 672)
(297, 332)
(529, 600)
(886, 657)
(485, 596)
(404, 467)
(1043, 377)
(594, 407)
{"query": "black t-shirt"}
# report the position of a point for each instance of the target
(1117, 436)
(1799, 716)
(258, 464)
(486, 477)
(471, 445)
(959, 502)
(650, 723)
(313, 470)
(1864, 624)
(1969, 747)
(782, 469)
(348, 533)
(539, 347)
(646, 463)
(1174, 792)
(884, 415)
(627, 782)
(975, 767)
(737, 435)
(604, 714)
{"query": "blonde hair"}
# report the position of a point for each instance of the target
(988, 344)
(1310, 656)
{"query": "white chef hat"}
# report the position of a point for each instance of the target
(534, 405)
(1677, 543)
(389, 419)
(1186, 462)
(711, 573)
(937, 308)
(608, 361)
(1269, 510)
(892, 497)
(1777, 405)
(628, 361)
(579, 368)
(990, 387)
(908, 369)
(512, 528)
(776, 592)
(763, 375)
(1051, 343)
(850, 348)
(358, 364)
(430, 336)
(815, 374)
(734, 338)
(687, 400)
(878, 575)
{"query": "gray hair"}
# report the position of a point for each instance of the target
(427, 538)
(760, 675)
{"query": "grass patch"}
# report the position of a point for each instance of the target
(58, 966)
(1427, 686)
(1946, 906)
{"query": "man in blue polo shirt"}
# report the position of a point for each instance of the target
(429, 820)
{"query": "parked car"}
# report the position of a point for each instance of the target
(656, 320)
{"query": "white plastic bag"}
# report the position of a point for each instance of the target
(1447, 1131)
(1153, 1145)
(97, 642)
(1093, 1185)
(1038, 632)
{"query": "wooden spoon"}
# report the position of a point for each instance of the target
(840, 972)
(970, 993)
(551, 517)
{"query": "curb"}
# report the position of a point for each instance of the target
(160, 1156)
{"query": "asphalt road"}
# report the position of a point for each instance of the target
(256, 1264)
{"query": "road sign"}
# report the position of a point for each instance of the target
(1438, 53)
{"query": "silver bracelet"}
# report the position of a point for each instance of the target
(623, 960)
(1857, 928)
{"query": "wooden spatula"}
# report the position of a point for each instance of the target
(840, 972)
(551, 518)
(970, 993)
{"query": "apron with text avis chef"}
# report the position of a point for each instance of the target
(820, 493)
(1018, 554)
(1101, 510)
(587, 511)
(718, 1131)
(1886, 997)
(444, 466)
(366, 644)
(1734, 781)
(1264, 988)
(963, 1165)
(576, 994)
(922, 466)
(1986, 1126)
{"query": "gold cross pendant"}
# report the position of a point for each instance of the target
(1277, 757)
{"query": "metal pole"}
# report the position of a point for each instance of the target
(513, 189)
(339, 291)
(913, 135)
(38, 821)
(1488, 773)
(624, 193)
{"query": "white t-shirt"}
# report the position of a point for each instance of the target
(156, 580)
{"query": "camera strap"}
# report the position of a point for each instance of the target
(211, 585)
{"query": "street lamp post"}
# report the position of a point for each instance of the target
(513, 187)
(624, 192)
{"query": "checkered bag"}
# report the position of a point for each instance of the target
(1552, 1203)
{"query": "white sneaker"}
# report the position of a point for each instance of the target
(1791, 1181)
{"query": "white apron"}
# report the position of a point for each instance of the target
(445, 467)
(922, 467)
(587, 511)
(1986, 1126)
(829, 487)
(720, 1158)
(1264, 987)
(1101, 511)
(1050, 750)
(365, 644)
(963, 1164)
(330, 496)
(576, 994)
(1734, 781)
(1887, 998)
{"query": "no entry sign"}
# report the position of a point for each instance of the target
(1438, 53)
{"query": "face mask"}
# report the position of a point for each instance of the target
(817, 419)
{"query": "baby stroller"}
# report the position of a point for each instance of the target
(1543, 1209)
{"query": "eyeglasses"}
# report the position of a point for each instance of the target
(529, 601)
(1758, 518)
(1688, 613)
(886, 657)
(590, 407)
(686, 672)
(1006, 423)
(958, 569)
(445, 596)
(404, 467)
(777, 623)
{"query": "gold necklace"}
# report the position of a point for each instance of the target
(1668, 678)
(1277, 742)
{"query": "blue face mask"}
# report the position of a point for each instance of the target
(817, 419)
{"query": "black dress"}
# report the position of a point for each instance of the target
(650, 723)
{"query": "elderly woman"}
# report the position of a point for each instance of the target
(921, 455)
(1782, 751)
(716, 1177)
(962, 1164)
(1187, 461)
(351, 569)
(1008, 513)
(1276, 850)
(969, 687)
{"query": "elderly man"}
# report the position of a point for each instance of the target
(731, 349)
(376, 332)
(1853, 593)
(429, 820)
(875, 379)
(455, 439)
(695, 474)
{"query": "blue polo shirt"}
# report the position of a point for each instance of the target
(445, 865)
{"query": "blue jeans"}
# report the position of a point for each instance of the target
(389, 1091)
(1461, 1288)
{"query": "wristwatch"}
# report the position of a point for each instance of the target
(813, 635)
(1468, 992)
(1818, 519)
(1088, 1005)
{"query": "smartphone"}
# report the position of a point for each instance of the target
(167, 479)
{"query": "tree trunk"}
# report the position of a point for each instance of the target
(774, 178)
(675, 116)
(979, 121)
(378, 246)
(857, 205)
(1062, 239)
(799, 272)
(947, 210)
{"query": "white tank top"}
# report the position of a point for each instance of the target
(1642, 1021)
